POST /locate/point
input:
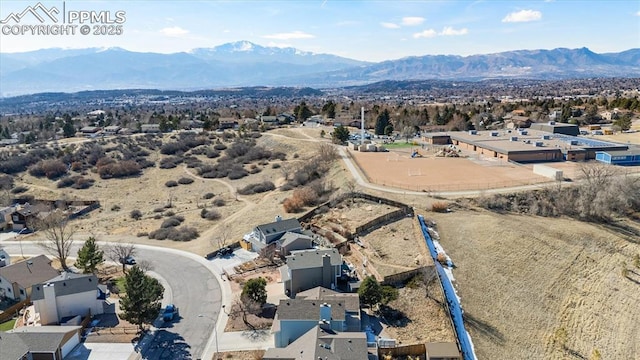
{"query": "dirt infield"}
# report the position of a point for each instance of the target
(429, 173)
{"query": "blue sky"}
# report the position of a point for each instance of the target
(363, 30)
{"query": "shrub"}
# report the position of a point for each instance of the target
(170, 162)
(136, 214)
(171, 183)
(142, 234)
(158, 210)
(52, 169)
(183, 233)
(19, 189)
(439, 206)
(119, 169)
(185, 180)
(210, 214)
(169, 213)
(257, 188)
(171, 222)
(219, 146)
(115, 208)
(237, 174)
(307, 195)
(292, 205)
(275, 166)
(65, 182)
(213, 153)
(219, 202)
(81, 182)
(157, 216)
(208, 196)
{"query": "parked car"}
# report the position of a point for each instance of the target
(129, 260)
(170, 313)
(225, 251)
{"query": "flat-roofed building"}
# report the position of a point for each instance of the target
(557, 128)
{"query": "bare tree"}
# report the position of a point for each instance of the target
(145, 266)
(243, 306)
(118, 252)
(58, 234)
(224, 234)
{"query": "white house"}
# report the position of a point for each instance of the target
(65, 297)
(5, 259)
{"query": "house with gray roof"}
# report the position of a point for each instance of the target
(291, 241)
(39, 342)
(17, 279)
(65, 297)
(306, 269)
(265, 234)
(336, 311)
(321, 342)
(5, 259)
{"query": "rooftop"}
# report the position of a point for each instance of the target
(309, 309)
(507, 141)
(312, 258)
(29, 272)
(281, 226)
(66, 284)
(319, 343)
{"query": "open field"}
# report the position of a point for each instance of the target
(543, 288)
(441, 174)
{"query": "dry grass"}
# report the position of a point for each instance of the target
(240, 355)
(525, 279)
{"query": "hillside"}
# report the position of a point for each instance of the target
(543, 288)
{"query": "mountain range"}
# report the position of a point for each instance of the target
(244, 63)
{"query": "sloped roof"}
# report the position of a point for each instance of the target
(309, 309)
(66, 284)
(351, 300)
(12, 347)
(281, 226)
(312, 258)
(44, 338)
(290, 237)
(28, 272)
(319, 343)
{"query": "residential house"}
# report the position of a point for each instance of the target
(334, 311)
(65, 297)
(150, 128)
(39, 342)
(90, 131)
(263, 235)
(285, 118)
(22, 216)
(5, 259)
(5, 217)
(291, 241)
(17, 279)
(269, 120)
(112, 130)
(306, 269)
(227, 123)
(321, 342)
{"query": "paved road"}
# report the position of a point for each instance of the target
(194, 290)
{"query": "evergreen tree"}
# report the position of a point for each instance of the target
(329, 109)
(89, 256)
(370, 291)
(302, 112)
(255, 290)
(142, 301)
(340, 134)
(382, 121)
(68, 129)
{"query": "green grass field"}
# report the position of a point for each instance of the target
(400, 144)
(7, 325)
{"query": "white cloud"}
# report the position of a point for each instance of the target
(638, 13)
(279, 44)
(449, 31)
(523, 16)
(425, 34)
(174, 31)
(412, 20)
(289, 36)
(389, 25)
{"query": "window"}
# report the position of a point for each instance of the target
(21, 292)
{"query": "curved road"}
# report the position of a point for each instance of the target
(194, 289)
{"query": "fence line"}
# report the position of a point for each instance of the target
(12, 310)
(405, 350)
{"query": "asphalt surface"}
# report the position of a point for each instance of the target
(194, 290)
